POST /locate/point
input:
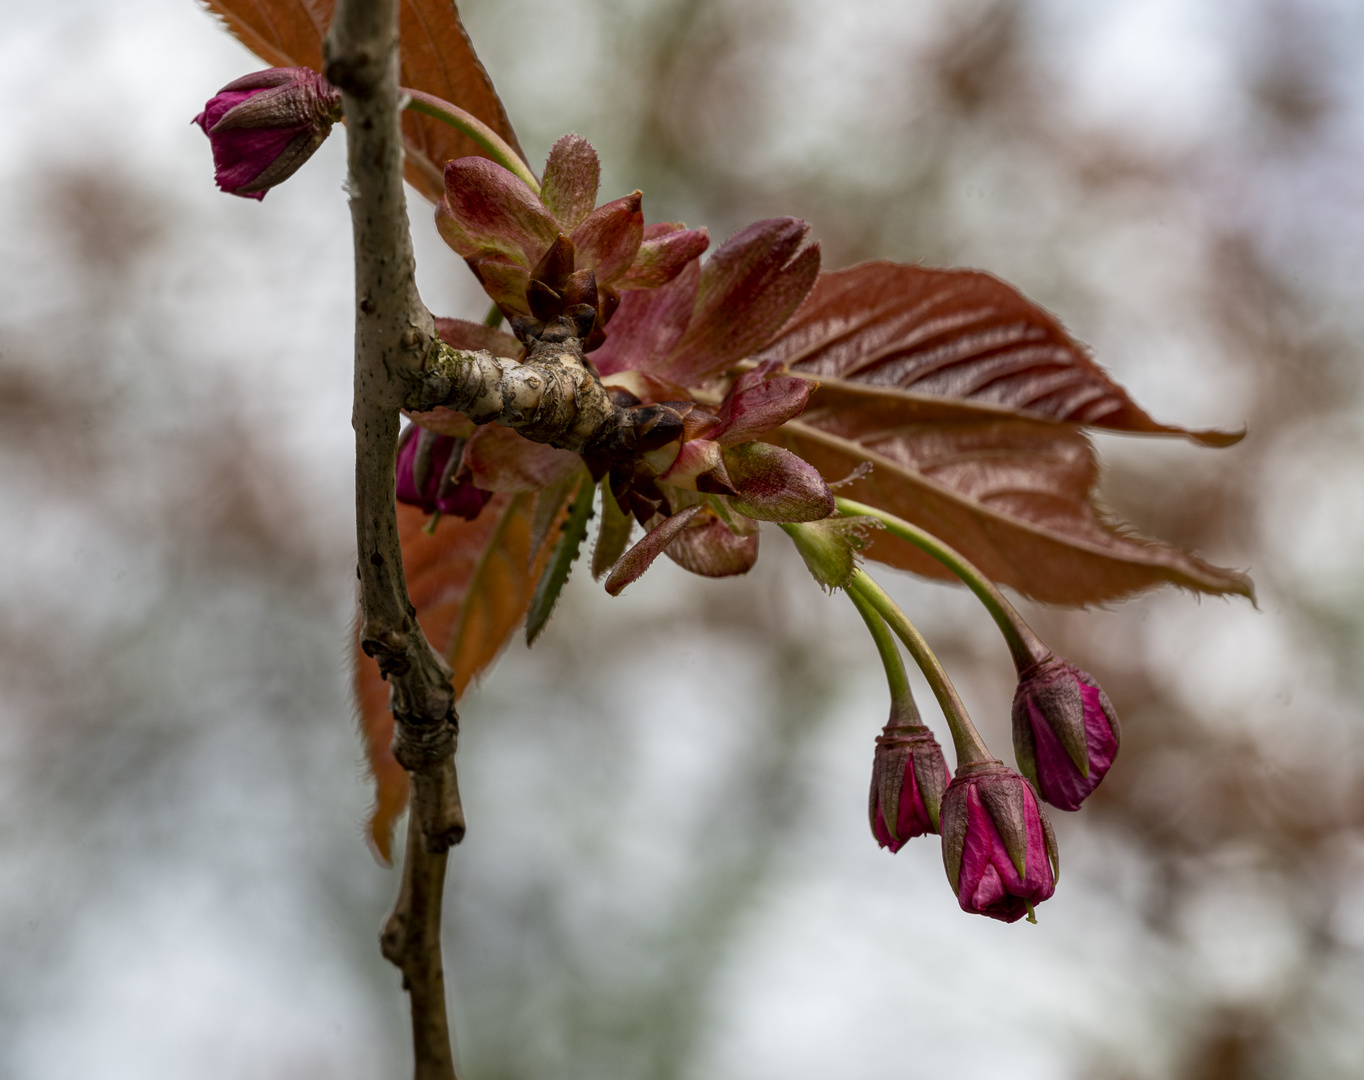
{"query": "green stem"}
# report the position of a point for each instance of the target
(970, 746)
(493, 143)
(1025, 647)
(902, 708)
(494, 317)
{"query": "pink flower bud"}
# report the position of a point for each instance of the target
(426, 475)
(265, 125)
(997, 844)
(908, 778)
(1065, 731)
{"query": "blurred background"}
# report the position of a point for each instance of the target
(668, 872)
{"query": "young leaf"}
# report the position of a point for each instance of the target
(549, 505)
(613, 535)
(639, 558)
(471, 583)
(435, 55)
(560, 563)
(965, 397)
(747, 289)
(1016, 497)
(957, 334)
(572, 174)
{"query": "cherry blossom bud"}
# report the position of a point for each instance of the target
(426, 475)
(997, 844)
(908, 778)
(265, 125)
(1065, 731)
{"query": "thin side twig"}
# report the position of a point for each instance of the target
(393, 334)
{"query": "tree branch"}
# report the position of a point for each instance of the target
(393, 333)
(554, 396)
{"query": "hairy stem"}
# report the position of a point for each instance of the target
(393, 333)
(1024, 646)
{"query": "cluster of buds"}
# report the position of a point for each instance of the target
(998, 847)
(664, 340)
(688, 446)
(531, 251)
(653, 326)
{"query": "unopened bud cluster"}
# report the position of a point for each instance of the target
(998, 847)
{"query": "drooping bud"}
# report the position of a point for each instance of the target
(265, 125)
(908, 777)
(426, 475)
(997, 844)
(1065, 731)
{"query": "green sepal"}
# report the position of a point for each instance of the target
(830, 547)
(612, 535)
(1005, 804)
(556, 573)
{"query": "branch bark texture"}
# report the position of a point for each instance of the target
(393, 334)
(554, 396)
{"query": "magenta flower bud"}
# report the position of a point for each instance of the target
(265, 125)
(908, 778)
(426, 475)
(1065, 731)
(997, 844)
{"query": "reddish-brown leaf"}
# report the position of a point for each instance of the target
(435, 56)
(957, 334)
(1015, 496)
(471, 584)
(747, 289)
(965, 398)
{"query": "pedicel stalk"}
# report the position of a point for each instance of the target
(971, 748)
(1065, 730)
(909, 774)
(476, 129)
(999, 850)
(1024, 645)
(902, 705)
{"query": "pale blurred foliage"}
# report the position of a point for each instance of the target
(668, 871)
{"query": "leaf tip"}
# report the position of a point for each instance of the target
(1211, 437)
